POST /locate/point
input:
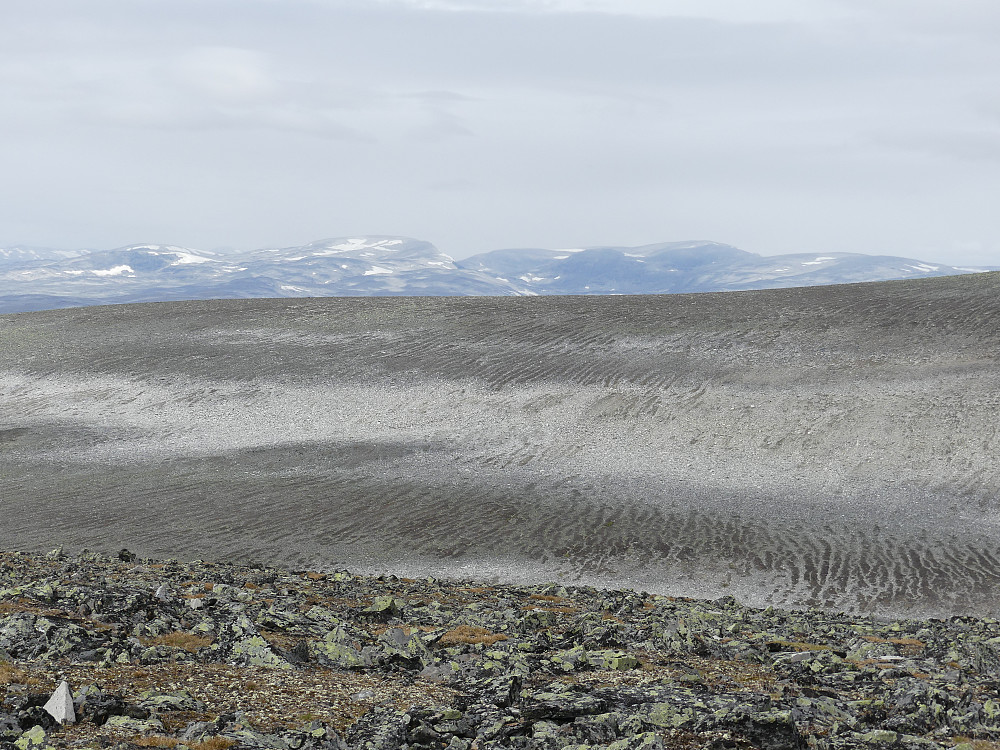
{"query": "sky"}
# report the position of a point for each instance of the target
(777, 126)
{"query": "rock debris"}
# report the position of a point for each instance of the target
(273, 658)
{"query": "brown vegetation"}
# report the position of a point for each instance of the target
(780, 645)
(9, 673)
(212, 743)
(187, 641)
(470, 634)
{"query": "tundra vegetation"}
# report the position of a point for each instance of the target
(208, 656)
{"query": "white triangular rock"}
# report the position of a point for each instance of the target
(60, 705)
(163, 593)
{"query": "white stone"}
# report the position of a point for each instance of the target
(163, 593)
(60, 705)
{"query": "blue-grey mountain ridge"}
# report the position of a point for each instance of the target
(36, 279)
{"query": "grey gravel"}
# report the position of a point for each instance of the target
(830, 446)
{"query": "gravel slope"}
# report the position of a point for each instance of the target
(830, 446)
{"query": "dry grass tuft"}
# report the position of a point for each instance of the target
(187, 641)
(795, 646)
(568, 610)
(156, 740)
(212, 743)
(977, 744)
(11, 674)
(908, 646)
(469, 635)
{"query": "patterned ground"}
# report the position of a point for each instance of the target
(830, 446)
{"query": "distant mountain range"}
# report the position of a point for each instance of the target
(37, 278)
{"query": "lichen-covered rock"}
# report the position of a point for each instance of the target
(246, 736)
(10, 727)
(644, 741)
(599, 729)
(383, 608)
(19, 638)
(530, 667)
(177, 700)
(135, 726)
(408, 648)
(340, 648)
(33, 739)
(240, 643)
(381, 729)
(559, 701)
(570, 659)
(615, 660)
(670, 716)
(96, 706)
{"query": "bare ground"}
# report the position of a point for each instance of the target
(829, 446)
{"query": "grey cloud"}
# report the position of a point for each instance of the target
(969, 17)
(732, 11)
(484, 124)
(225, 74)
(971, 145)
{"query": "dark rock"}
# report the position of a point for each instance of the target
(96, 706)
(559, 703)
(241, 644)
(522, 661)
(381, 729)
(10, 726)
(601, 729)
(769, 731)
(35, 716)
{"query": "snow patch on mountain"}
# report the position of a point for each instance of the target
(115, 271)
(388, 265)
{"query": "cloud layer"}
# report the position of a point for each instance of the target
(476, 124)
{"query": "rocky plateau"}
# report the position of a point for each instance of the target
(206, 656)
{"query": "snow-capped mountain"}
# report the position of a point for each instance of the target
(369, 266)
(673, 267)
(33, 279)
(359, 266)
(20, 254)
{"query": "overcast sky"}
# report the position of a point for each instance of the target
(775, 125)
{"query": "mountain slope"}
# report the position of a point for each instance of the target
(832, 445)
(687, 267)
(391, 266)
(334, 267)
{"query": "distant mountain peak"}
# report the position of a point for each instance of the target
(356, 265)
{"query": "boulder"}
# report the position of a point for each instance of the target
(240, 643)
(136, 726)
(33, 739)
(60, 705)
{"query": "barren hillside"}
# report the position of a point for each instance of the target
(833, 446)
